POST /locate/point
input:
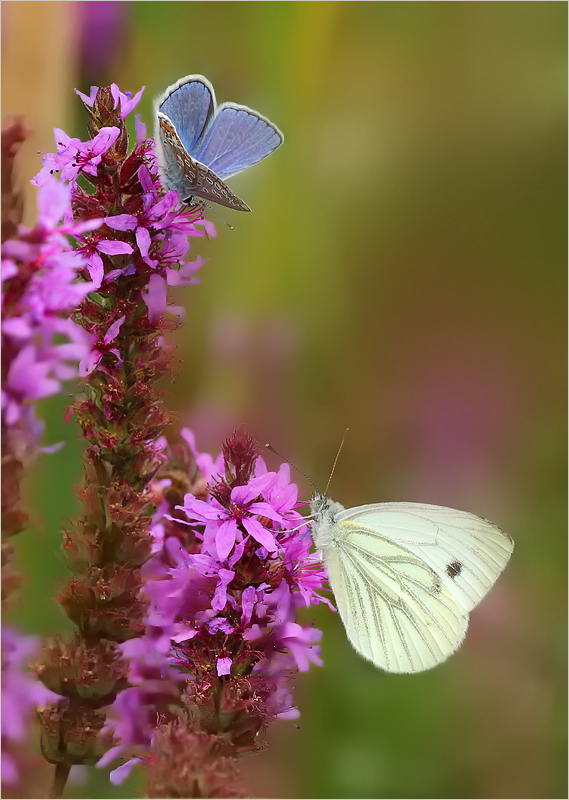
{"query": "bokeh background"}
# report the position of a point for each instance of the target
(403, 273)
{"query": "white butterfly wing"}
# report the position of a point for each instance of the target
(467, 552)
(396, 610)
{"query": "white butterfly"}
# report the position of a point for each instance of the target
(406, 575)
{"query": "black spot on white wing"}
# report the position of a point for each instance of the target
(453, 569)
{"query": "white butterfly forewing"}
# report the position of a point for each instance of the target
(466, 551)
(405, 576)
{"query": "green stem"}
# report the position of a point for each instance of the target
(59, 780)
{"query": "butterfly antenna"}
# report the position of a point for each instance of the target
(336, 459)
(288, 461)
(213, 211)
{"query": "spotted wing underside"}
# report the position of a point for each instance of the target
(189, 177)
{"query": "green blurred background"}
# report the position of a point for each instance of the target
(403, 273)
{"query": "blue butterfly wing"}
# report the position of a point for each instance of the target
(190, 105)
(236, 138)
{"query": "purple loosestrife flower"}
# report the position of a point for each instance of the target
(20, 693)
(135, 714)
(226, 594)
(41, 347)
(39, 287)
(226, 525)
(129, 239)
(74, 156)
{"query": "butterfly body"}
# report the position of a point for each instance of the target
(406, 575)
(199, 144)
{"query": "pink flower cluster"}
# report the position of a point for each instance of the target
(150, 237)
(20, 693)
(231, 568)
(41, 345)
(245, 574)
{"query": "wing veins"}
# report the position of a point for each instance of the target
(485, 580)
(362, 616)
(404, 608)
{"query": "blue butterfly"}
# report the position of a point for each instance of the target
(199, 144)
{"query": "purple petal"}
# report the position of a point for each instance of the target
(242, 495)
(17, 327)
(220, 595)
(62, 139)
(113, 247)
(82, 227)
(29, 377)
(140, 129)
(143, 240)
(220, 624)
(89, 101)
(223, 666)
(177, 311)
(128, 104)
(225, 538)
(199, 509)
(248, 599)
(163, 207)
(155, 297)
(88, 364)
(122, 222)
(116, 94)
(121, 773)
(265, 510)
(185, 275)
(104, 140)
(146, 181)
(54, 198)
(292, 713)
(96, 270)
(260, 534)
(238, 552)
(10, 773)
(208, 226)
(113, 330)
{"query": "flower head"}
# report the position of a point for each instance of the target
(230, 569)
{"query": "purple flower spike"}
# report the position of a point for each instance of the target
(230, 605)
(108, 244)
(40, 286)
